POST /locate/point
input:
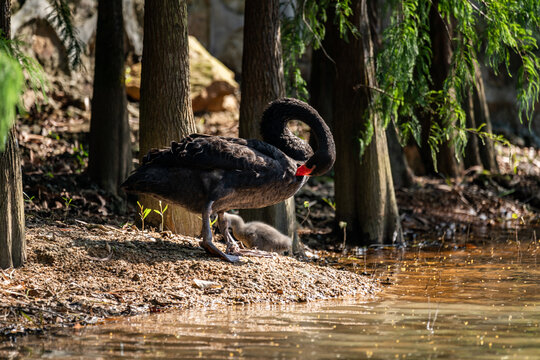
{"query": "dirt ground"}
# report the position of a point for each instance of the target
(79, 273)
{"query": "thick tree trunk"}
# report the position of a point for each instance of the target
(166, 113)
(440, 34)
(262, 82)
(12, 237)
(110, 144)
(365, 196)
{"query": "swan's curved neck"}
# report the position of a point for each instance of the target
(274, 130)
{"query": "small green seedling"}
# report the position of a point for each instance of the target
(28, 199)
(143, 213)
(67, 202)
(161, 211)
(331, 203)
(80, 154)
(307, 206)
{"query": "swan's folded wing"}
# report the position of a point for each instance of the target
(217, 152)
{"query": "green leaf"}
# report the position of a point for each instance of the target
(11, 85)
(145, 212)
(26, 316)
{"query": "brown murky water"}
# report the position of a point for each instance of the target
(468, 302)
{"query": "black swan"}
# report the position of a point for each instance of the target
(256, 234)
(212, 174)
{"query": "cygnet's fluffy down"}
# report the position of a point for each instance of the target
(258, 235)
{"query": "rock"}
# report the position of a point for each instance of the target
(213, 97)
(206, 69)
(133, 81)
(211, 81)
(45, 45)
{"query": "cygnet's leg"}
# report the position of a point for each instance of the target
(206, 242)
(223, 224)
(232, 245)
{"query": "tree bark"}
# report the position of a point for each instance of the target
(365, 197)
(166, 113)
(262, 82)
(402, 175)
(479, 152)
(12, 237)
(110, 144)
(440, 36)
(472, 152)
(481, 115)
(323, 74)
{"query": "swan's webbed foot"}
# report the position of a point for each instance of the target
(212, 249)
(232, 246)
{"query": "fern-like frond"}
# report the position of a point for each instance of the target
(33, 71)
(61, 18)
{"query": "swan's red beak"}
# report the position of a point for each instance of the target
(304, 171)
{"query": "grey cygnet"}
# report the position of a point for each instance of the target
(258, 235)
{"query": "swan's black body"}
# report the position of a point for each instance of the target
(212, 174)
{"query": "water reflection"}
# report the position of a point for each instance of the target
(445, 303)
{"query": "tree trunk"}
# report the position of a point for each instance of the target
(402, 175)
(12, 238)
(472, 152)
(481, 115)
(166, 113)
(323, 74)
(110, 144)
(262, 82)
(479, 152)
(440, 34)
(365, 198)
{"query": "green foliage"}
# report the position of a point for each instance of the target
(161, 212)
(330, 203)
(67, 202)
(13, 64)
(11, 83)
(496, 28)
(27, 198)
(307, 27)
(61, 18)
(80, 154)
(143, 213)
(34, 73)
